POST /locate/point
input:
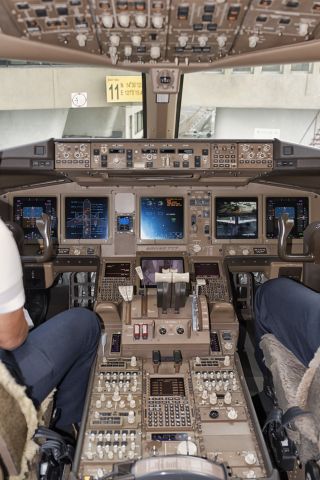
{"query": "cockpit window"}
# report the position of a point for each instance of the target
(263, 102)
(40, 101)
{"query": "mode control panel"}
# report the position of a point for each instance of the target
(221, 157)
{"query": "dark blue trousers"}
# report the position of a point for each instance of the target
(291, 312)
(59, 353)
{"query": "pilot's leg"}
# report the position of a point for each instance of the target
(291, 312)
(59, 353)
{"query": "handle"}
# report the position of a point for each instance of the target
(44, 227)
(285, 225)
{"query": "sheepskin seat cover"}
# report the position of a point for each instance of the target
(296, 385)
(18, 422)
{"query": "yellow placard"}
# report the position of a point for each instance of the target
(124, 89)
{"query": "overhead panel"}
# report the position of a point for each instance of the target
(145, 33)
(272, 23)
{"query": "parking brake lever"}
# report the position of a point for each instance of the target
(285, 225)
(44, 227)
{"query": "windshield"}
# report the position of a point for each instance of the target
(40, 101)
(271, 101)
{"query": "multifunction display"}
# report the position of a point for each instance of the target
(236, 218)
(297, 209)
(86, 218)
(161, 218)
(26, 210)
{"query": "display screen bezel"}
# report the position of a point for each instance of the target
(39, 241)
(273, 236)
(85, 241)
(237, 199)
(168, 241)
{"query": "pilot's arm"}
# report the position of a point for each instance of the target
(13, 325)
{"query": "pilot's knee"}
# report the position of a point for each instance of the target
(87, 323)
(272, 288)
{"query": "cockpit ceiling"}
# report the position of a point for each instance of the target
(142, 34)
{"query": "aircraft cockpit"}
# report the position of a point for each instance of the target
(159, 162)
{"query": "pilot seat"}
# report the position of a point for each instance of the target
(293, 425)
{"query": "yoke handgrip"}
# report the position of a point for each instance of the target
(44, 227)
(285, 225)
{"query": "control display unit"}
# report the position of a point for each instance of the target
(206, 269)
(152, 265)
(86, 218)
(161, 218)
(117, 270)
(170, 387)
(297, 209)
(236, 218)
(26, 210)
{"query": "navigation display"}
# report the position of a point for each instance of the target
(161, 218)
(236, 218)
(151, 265)
(297, 209)
(86, 218)
(26, 210)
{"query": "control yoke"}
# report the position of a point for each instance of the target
(44, 227)
(285, 225)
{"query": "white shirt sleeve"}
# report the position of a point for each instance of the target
(12, 295)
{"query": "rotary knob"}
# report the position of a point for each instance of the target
(232, 414)
(250, 458)
(131, 416)
(226, 361)
(107, 20)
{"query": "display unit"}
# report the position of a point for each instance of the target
(162, 219)
(206, 269)
(27, 209)
(236, 218)
(297, 209)
(152, 265)
(85, 219)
